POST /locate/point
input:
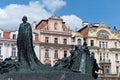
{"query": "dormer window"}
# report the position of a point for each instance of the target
(14, 36)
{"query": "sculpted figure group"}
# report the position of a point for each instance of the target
(80, 61)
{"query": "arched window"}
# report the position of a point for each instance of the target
(103, 34)
(79, 42)
(56, 54)
(65, 53)
(116, 57)
(46, 53)
(14, 53)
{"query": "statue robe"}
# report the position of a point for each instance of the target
(26, 54)
(75, 60)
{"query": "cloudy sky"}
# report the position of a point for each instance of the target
(73, 12)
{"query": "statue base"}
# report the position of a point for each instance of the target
(57, 75)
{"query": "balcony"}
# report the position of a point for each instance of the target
(14, 58)
(56, 45)
(47, 60)
(117, 61)
(105, 61)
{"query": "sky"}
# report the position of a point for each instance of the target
(73, 12)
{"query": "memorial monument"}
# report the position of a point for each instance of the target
(80, 65)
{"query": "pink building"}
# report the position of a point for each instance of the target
(55, 39)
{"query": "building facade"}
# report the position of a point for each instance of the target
(104, 43)
(55, 39)
(8, 44)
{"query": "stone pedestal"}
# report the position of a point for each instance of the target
(57, 75)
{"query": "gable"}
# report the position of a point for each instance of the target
(42, 24)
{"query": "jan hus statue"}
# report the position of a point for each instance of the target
(27, 60)
(26, 54)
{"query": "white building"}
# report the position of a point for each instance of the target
(8, 44)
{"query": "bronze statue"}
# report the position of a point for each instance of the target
(27, 60)
(81, 61)
(26, 54)
(75, 59)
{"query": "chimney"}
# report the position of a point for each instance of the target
(85, 24)
(34, 25)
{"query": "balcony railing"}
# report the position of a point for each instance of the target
(117, 61)
(105, 61)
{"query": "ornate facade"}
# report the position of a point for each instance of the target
(55, 39)
(104, 43)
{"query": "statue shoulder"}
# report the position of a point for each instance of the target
(25, 23)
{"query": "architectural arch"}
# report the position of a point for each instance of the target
(103, 34)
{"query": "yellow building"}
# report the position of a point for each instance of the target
(104, 43)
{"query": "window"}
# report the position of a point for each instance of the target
(0, 51)
(56, 54)
(14, 36)
(106, 69)
(106, 44)
(46, 53)
(117, 69)
(46, 39)
(100, 56)
(13, 51)
(55, 26)
(103, 58)
(0, 35)
(100, 44)
(92, 42)
(115, 44)
(56, 40)
(116, 57)
(65, 41)
(107, 56)
(79, 42)
(103, 44)
(65, 53)
(73, 39)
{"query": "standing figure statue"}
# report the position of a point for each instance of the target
(27, 60)
(75, 59)
(26, 54)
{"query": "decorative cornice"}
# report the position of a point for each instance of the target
(102, 25)
(57, 46)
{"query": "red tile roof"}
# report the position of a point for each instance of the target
(6, 35)
(41, 24)
(84, 31)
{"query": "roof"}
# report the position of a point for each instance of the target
(83, 31)
(41, 24)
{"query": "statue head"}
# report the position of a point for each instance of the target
(65, 55)
(24, 19)
(76, 47)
